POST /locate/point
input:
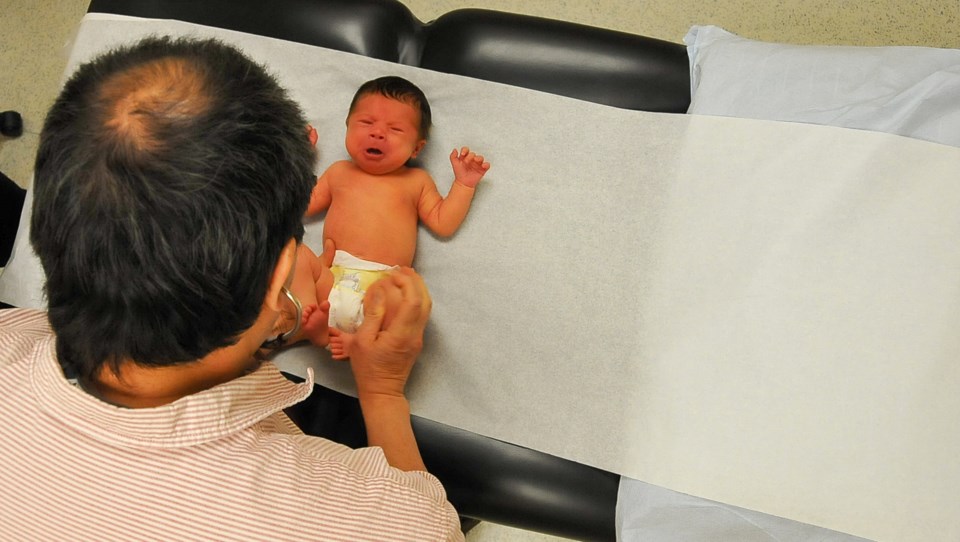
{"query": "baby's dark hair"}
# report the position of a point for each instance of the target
(399, 89)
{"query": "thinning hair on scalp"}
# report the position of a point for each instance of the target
(170, 174)
(399, 89)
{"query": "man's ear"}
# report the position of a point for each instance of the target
(282, 271)
(418, 148)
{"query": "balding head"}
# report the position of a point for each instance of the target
(140, 101)
(169, 177)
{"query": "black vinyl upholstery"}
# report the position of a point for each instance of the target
(584, 62)
(11, 204)
(575, 60)
(375, 28)
(503, 483)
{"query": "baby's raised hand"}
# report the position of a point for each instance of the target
(468, 167)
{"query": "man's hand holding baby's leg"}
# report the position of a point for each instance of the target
(384, 350)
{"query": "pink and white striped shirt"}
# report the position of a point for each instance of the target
(222, 464)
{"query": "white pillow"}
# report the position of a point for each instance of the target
(911, 91)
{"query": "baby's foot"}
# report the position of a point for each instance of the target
(340, 342)
(314, 323)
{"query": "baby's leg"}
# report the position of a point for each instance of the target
(340, 342)
(315, 322)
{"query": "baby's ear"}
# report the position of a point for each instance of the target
(418, 148)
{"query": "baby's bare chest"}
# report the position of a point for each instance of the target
(391, 197)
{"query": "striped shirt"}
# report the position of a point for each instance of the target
(222, 464)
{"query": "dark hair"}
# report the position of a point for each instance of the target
(399, 89)
(170, 174)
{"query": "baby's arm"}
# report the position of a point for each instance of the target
(444, 216)
(320, 197)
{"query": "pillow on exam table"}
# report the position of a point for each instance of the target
(910, 91)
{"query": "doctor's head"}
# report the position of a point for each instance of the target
(170, 176)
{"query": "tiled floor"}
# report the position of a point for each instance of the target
(32, 59)
(488, 532)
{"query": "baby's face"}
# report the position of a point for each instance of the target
(382, 134)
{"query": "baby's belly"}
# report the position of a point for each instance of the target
(375, 241)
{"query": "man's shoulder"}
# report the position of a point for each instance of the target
(333, 473)
(30, 322)
(20, 330)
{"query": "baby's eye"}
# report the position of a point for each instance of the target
(397, 130)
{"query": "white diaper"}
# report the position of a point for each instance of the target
(351, 278)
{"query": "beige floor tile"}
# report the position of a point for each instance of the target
(33, 55)
(491, 532)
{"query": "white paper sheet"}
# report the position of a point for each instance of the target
(657, 514)
(759, 313)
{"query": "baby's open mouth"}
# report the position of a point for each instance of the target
(374, 151)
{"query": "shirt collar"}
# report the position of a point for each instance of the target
(201, 417)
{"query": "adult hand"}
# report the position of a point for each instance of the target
(386, 345)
